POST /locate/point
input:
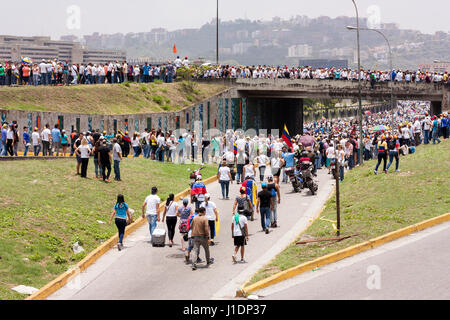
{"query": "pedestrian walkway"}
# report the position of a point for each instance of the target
(141, 271)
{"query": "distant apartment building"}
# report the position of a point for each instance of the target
(323, 63)
(12, 48)
(241, 47)
(300, 51)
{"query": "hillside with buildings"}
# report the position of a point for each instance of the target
(279, 42)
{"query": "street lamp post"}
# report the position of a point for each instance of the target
(217, 34)
(359, 85)
(390, 65)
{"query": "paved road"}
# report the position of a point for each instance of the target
(143, 272)
(414, 268)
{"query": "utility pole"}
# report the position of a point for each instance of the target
(217, 34)
(359, 85)
(338, 203)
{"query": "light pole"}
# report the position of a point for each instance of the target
(390, 66)
(359, 85)
(217, 34)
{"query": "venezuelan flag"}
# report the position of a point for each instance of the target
(251, 187)
(235, 151)
(198, 188)
(127, 139)
(286, 137)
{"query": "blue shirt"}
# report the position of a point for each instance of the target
(121, 210)
(56, 135)
(444, 122)
(4, 132)
(289, 158)
(26, 137)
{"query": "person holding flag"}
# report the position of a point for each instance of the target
(286, 137)
(198, 192)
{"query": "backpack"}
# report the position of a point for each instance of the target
(391, 144)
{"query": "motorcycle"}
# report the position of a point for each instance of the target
(294, 178)
(195, 175)
(306, 168)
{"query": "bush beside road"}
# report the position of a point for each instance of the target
(373, 205)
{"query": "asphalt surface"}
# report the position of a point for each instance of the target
(414, 267)
(141, 271)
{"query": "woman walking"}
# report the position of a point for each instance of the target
(84, 152)
(224, 177)
(243, 200)
(184, 212)
(122, 214)
(98, 167)
(170, 211)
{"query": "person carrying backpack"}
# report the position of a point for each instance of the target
(239, 232)
(243, 200)
(274, 189)
(184, 212)
(393, 147)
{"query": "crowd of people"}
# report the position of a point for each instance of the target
(54, 72)
(241, 159)
(305, 72)
(385, 134)
(48, 72)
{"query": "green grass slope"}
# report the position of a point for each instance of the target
(45, 208)
(125, 98)
(373, 205)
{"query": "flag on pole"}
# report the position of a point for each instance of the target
(175, 48)
(235, 150)
(286, 137)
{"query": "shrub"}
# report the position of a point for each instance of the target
(158, 99)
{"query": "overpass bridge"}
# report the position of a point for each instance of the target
(273, 102)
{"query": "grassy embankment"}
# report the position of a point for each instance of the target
(373, 205)
(45, 208)
(125, 98)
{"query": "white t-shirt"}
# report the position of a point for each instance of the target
(171, 209)
(242, 222)
(135, 142)
(209, 210)
(223, 174)
(35, 138)
(151, 202)
(84, 150)
(46, 134)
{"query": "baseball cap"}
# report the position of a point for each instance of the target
(185, 201)
(207, 195)
(269, 178)
(264, 185)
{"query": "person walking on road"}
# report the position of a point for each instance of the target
(274, 190)
(243, 200)
(184, 212)
(393, 147)
(263, 206)
(122, 214)
(239, 232)
(170, 211)
(200, 236)
(224, 178)
(151, 203)
(212, 214)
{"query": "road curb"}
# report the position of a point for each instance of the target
(93, 256)
(341, 254)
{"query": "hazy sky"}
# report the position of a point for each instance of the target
(50, 17)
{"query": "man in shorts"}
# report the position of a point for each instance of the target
(239, 231)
